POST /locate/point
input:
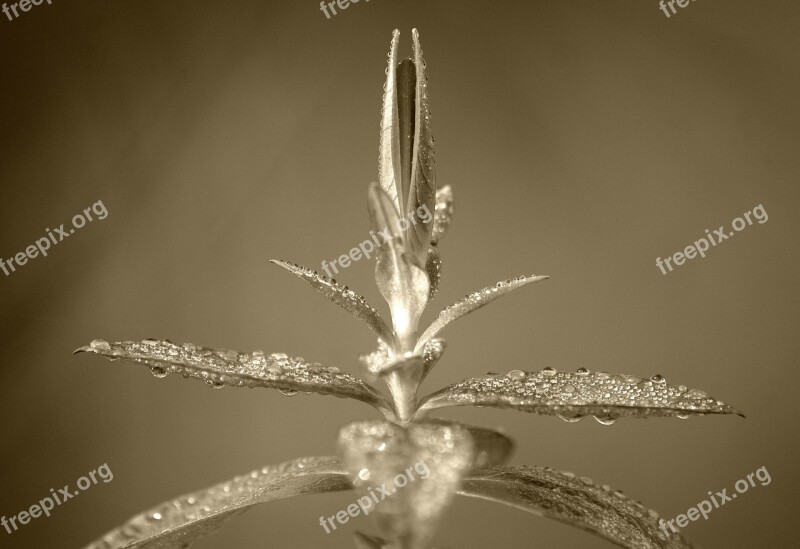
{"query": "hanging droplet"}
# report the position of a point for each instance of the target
(606, 419)
(696, 393)
(159, 371)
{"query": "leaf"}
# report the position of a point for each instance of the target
(342, 296)
(406, 158)
(389, 171)
(574, 501)
(184, 520)
(422, 189)
(419, 465)
(471, 302)
(573, 395)
(431, 353)
(443, 214)
(220, 367)
(433, 266)
(403, 284)
(406, 108)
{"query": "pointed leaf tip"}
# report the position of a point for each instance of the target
(422, 187)
(389, 171)
(341, 296)
(472, 302)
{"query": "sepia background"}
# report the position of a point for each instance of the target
(583, 140)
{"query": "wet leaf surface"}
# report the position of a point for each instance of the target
(221, 367)
(573, 395)
(184, 520)
(341, 295)
(473, 301)
(574, 501)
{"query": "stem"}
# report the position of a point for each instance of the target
(403, 383)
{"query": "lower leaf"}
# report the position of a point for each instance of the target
(184, 520)
(574, 501)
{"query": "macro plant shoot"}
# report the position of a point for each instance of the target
(458, 459)
(399, 275)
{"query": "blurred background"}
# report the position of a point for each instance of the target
(583, 140)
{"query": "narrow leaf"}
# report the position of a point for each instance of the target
(220, 367)
(385, 454)
(573, 395)
(574, 501)
(471, 302)
(406, 107)
(389, 172)
(431, 353)
(184, 520)
(422, 189)
(433, 266)
(443, 214)
(342, 296)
